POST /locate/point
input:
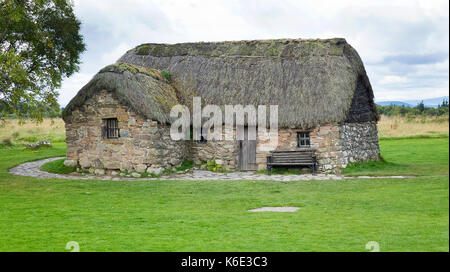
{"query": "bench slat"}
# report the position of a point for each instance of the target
(291, 155)
(293, 158)
(274, 159)
(296, 157)
(299, 156)
(288, 163)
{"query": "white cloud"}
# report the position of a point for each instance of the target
(425, 93)
(70, 87)
(381, 31)
(112, 56)
(392, 80)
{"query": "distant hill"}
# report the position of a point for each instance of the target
(395, 103)
(430, 102)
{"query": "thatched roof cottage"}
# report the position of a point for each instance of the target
(120, 119)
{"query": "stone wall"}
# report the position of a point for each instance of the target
(224, 152)
(335, 145)
(145, 144)
(324, 139)
(359, 142)
(142, 143)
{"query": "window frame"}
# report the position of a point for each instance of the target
(111, 128)
(303, 139)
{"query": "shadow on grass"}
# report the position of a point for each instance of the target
(280, 170)
(374, 168)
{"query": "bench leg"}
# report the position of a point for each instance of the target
(269, 170)
(314, 169)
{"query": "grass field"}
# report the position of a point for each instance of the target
(396, 126)
(12, 132)
(400, 214)
(403, 156)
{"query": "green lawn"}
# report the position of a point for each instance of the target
(57, 167)
(399, 214)
(414, 156)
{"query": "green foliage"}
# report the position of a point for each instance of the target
(185, 165)
(419, 110)
(143, 50)
(39, 45)
(166, 75)
(7, 142)
(215, 167)
(57, 167)
(21, 110)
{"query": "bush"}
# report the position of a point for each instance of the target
(166, 75)
(7, 142)
(187, 164)
(215, 167)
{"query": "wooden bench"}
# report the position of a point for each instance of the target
(298, 157)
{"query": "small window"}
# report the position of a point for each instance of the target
(303, 139)
(111, 128)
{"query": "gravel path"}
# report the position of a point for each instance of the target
(31, 169)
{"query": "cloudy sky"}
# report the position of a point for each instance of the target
(403, 44)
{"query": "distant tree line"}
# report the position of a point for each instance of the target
(48, 111)
(419, 110)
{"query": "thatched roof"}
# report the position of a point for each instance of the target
(313, 81)
(145, 90)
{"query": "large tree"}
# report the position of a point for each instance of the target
(40, 44)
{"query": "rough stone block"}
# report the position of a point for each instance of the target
(70, 163)
(155, 170)
(99, 171)
(141, 168)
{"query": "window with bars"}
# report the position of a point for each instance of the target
(303, 139)
(111, 128)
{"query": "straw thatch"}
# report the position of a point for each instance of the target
(313, 81)
(144, 90)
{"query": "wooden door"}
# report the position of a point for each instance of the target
(247, 153)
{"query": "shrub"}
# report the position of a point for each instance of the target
(215, 167)
(166, 75)
(7, 142)
(187, 164)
